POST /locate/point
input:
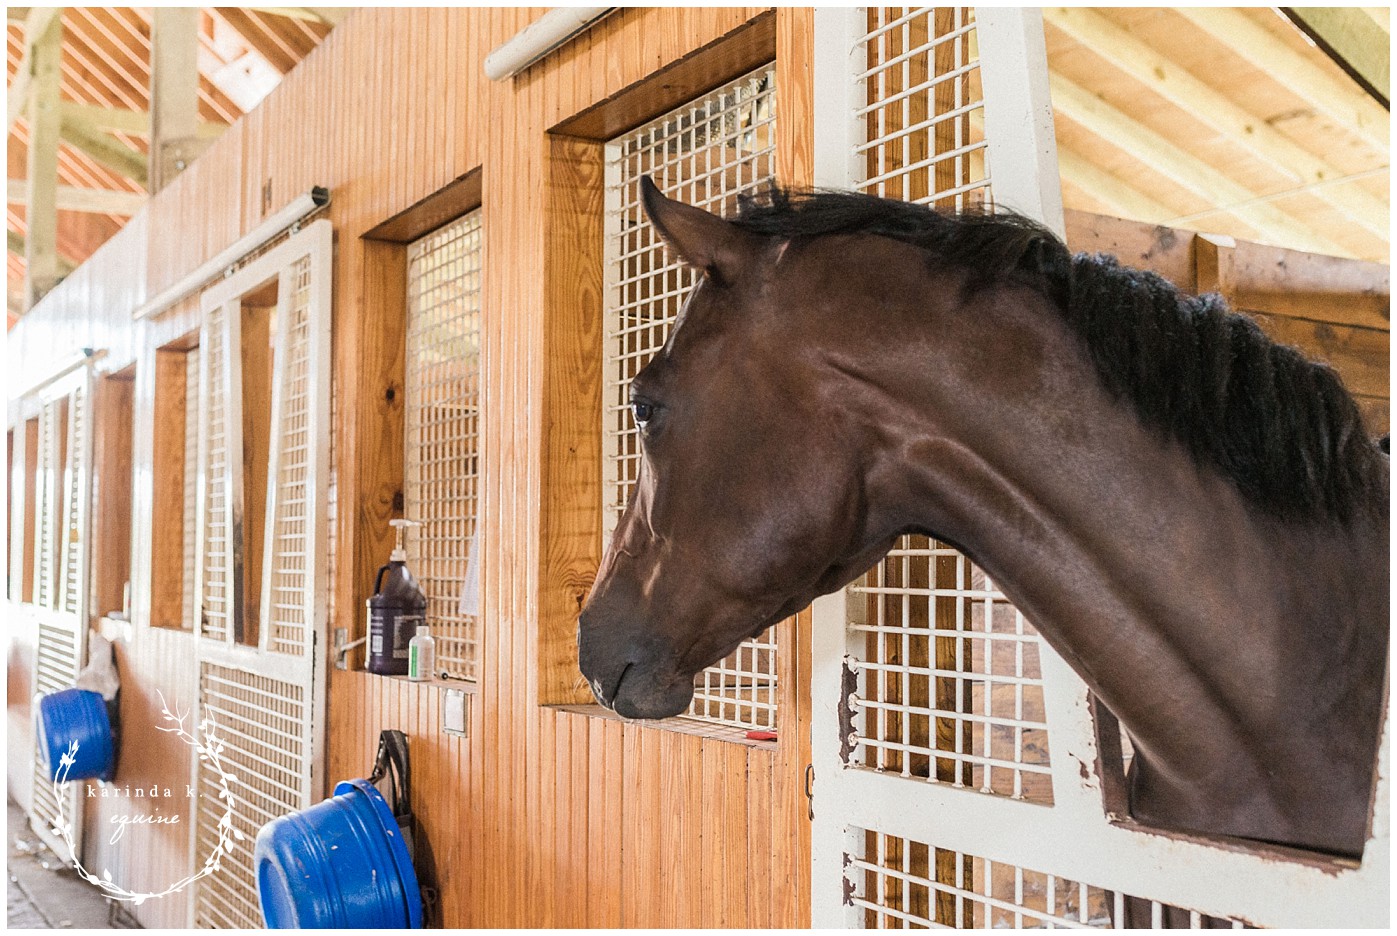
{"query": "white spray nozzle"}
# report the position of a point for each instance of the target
(400, 528)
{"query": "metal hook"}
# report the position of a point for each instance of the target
(810, 790)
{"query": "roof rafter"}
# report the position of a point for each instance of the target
(125, 120)
(16, 244)
(1340, 100)
(36, 23)
(1182, 167)
(106, 150)
(1118, 195)
(74, 198)
(1187, 92)
(330, 16)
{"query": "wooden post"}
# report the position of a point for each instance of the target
(1213, 258)
(36, 22)
(166, 566)
(41, 203)
(174, 93)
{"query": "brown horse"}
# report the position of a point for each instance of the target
(1189, 513)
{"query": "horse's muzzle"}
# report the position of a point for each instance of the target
(631, 687)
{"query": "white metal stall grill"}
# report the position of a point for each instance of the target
(284, 609)
(213, 571)
(73, 564)
(52, 431)
(923, 110)
(62, 559)
(260, 722)
(262, 690)
(442, 430)
(949, 685)
(959, 776)
(189, 518)
(705, 153)
(901, 883)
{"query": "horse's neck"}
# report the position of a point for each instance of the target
(1210, 628)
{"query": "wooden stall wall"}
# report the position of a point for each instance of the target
(541, 816)
(1334, 309)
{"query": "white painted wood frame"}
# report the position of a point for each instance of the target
(63, 492)
(278, 684)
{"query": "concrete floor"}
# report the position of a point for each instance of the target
(43, 893)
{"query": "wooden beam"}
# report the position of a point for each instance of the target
(1380, 15)
(331, 16)
(41, 268)
(1159, 154)
(113, 154)
(1210, 106)
(1123, 200)
(15, 244)
(125, 120)
(1342, 101)
(1355, 42)
(72, 198)
(36, 23)
(174, 92)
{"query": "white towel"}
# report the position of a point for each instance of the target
(100, 675)
(470, 586)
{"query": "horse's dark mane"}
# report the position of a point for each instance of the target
(1281, 427)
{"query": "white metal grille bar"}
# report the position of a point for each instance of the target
(46, 522)
(286, 611)
(260, 721)
(922, 114)
(442, 428)
(213, 610)
(913, 884)
(707, 153)
(189, 520)
(76, 488)
(267, 700)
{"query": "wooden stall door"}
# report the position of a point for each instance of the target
(956, 755)
(260, 582)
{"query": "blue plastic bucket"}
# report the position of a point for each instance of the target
(341, 863)
(76, 715)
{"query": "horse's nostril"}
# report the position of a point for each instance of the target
(605, 694)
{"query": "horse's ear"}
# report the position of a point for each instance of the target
(703, 240)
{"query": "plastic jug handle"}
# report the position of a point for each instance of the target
(378, 579)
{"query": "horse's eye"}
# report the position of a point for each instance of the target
(643, 412)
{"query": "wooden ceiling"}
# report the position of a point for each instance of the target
(1228, 121)
(242, 54)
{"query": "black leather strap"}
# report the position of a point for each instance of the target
(392, 763)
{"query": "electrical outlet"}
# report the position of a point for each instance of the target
(456, 714)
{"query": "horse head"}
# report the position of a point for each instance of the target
(740, 516)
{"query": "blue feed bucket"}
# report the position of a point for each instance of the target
(76, 715)
(341, 863)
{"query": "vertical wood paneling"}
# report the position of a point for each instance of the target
(150, 857)
(539, 817)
